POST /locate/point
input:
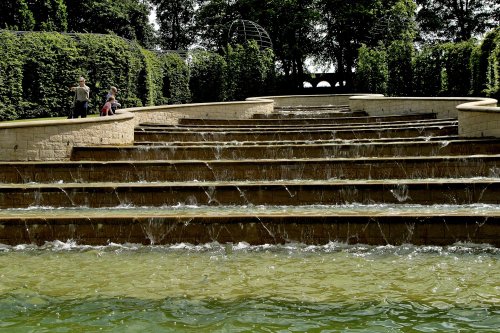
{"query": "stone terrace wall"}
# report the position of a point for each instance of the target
(311, 100)
(445, 107)
(170, 114)
(54, 139)
(479, 118)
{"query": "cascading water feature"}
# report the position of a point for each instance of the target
(383, 226)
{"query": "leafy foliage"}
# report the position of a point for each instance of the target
(37, 69)
(49, 66)
(250, 71)
(480, 61)
(493, 73)
(427, 71)
(456, 63)
(175, 79)
(176, 18)
(11, 69)
(399, 66)
(371, 73)
(456, 20)
(208, 77)
(16, 15)
(126, 18)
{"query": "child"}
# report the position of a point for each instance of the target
(106, 109)
(112, 92)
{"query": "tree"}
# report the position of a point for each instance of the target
(371, 72)
(50, 15)
(176, 20)
(456, 20)
(126, 18)
(348, 24)
(16, 15)
(212, 23)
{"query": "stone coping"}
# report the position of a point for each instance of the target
(54, 139)
(311, 100)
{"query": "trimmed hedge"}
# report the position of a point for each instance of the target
(37, 69)
(208, 77)
(371, 73)
(450, 69)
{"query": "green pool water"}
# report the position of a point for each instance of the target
(64, 287)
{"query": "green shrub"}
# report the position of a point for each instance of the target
(11, 76)
(427, 70)
(371, 71)
(175, 79)
(457, 67)
(208, 77)
(399, 67)
(50, 66)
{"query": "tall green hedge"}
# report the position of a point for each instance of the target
(480, 61)
(493, 69)
(208, 77)
(175, 79)
(399, 66)
(427, 71)
(49, 66)
(456, 64)
(371, 74)
(250, 71)
(449, 69)
(151, 79)
(37, 69)
(11, 73)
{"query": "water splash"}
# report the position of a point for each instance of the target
(401, 192)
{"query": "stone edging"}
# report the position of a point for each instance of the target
(55, 139)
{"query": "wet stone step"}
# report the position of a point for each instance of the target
(251, 170)
(297, 135)
(287, 121)
(301, 142)
(98, 195)
(309, 114)
(304, 128)
(282, 151)
(101, 227)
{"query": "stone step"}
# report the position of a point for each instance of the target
(266, 135)
(301, 142)
(289, 193)
(286, 151)
(302, 128)
(321, 225)
(297, 114)
(303, 121)
(251, 170)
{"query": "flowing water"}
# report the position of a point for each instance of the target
(64, 287)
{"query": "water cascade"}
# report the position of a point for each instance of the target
(309, 219)
(341, 175)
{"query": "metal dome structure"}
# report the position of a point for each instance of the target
(242, 31)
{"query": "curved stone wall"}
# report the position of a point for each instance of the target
(312, 100)
(170, 114)
(479, 118)
(444, 107)
(54, 139)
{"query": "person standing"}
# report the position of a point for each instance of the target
(81, 101)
